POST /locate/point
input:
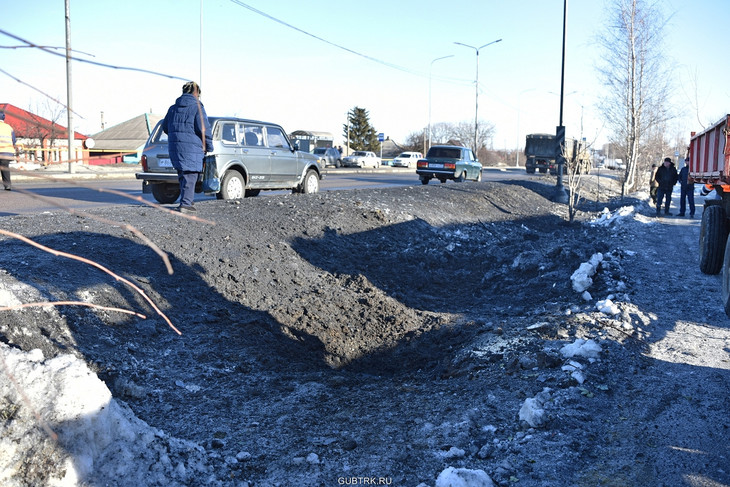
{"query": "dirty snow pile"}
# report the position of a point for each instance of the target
(97, 437)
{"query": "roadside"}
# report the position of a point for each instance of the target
(324, 339)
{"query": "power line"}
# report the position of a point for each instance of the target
(95, 63)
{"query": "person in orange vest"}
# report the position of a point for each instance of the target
(7, 150)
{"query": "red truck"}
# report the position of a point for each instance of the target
(709, 164)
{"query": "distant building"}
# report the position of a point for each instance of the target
(309, 140)
(41, 140)
(123, 142)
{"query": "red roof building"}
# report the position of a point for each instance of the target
(40, 139)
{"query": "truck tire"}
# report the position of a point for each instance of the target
(713, 236)
(530, 170)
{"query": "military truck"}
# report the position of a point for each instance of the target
(540, 150)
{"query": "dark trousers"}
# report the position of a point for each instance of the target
(661, 194)
(4, 165)
(187, 186)
(687, 195)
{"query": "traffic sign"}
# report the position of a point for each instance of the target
(381, 137)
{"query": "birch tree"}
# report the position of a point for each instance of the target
(633, 69)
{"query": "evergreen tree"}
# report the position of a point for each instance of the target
(358, 133)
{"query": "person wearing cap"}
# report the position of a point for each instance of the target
(7, 150)
(189, 138)
(666, 176)
(687, 191)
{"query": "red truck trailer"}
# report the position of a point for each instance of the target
(709, 164)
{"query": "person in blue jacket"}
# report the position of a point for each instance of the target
(189, 138)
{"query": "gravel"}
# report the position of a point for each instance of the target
(417, 336)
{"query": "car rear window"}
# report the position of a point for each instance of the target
(446, 152)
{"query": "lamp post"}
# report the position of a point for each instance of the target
(429, 96)
(476, 98)
(560, 195)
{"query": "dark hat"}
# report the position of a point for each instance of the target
(191, 87)
(667, 159)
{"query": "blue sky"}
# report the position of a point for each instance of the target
(376, 55)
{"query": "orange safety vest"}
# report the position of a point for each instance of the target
(6, 139)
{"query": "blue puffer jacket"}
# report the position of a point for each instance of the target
(185, 124)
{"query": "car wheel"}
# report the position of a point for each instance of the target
(443, 181)
(311, 182)
(233, 187)
(252, 192)
(461, 178)
(425, 180)
(479, 176)
(166, 193)
(338, 163)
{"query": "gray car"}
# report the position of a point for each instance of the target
(250, 156)
(328, 156)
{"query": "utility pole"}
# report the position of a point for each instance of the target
(69, 111)
(560, 195)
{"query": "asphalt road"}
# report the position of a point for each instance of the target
(31, 197)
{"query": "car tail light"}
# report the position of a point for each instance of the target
(450, 165)
(144, 163)
(422, 163)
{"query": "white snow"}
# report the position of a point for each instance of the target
(463, 477)
(581, 348)
(582, 277)
(97, 436)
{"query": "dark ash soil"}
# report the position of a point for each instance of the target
(392, 333)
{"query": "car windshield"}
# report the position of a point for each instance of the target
(319, 150)
(445, 152)
(359, 153)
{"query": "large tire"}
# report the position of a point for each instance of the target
(233, 187)
(166, 193)
(713, 237)
(425, 181)
(479, 176)
(461, 178)
(310, 184)
(530, 170)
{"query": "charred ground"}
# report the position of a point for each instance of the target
(390, 332)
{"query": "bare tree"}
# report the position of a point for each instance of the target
(633, 69)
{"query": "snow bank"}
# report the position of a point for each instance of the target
(99, 439)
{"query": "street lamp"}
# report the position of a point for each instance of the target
(476, 99)
(429, 95)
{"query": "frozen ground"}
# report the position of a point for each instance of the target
(445, 335)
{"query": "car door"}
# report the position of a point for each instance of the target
(254, 154)
(283, 158)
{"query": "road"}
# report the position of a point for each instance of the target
(52, 196)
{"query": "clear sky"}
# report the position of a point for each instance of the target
(378, 55)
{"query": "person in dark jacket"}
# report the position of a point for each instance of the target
(666, 176)
(189, 138)
(687, 191)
